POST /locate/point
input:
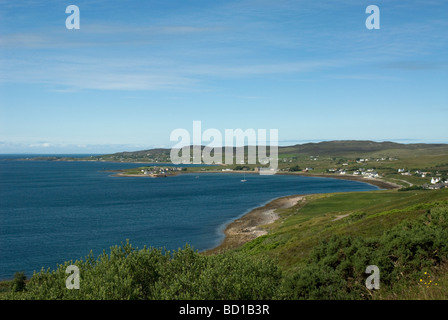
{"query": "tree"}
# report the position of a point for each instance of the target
(18, 284)
(295, 168)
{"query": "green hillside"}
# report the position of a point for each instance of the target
(343, 233)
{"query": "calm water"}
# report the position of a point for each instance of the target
(51, 212)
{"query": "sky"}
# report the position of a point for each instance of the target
(137, 70)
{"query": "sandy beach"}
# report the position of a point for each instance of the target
(248, 227)
(374, 181)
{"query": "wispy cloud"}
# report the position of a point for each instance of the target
(78, 73)
(207, 44)
(70, 148)
(98, 36)
(69, 72)
(40, 145)
(415, 65)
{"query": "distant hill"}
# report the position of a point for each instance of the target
(409, 165)
(327, 148)
(344, 147)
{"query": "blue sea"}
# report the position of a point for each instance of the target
(55, 211)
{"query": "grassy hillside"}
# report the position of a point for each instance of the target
(365, 218)
(365, 214)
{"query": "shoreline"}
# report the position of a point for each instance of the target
(373, 181)
(144, 175)
(248, 227)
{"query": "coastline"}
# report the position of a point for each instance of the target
(248, 227)
(373, 181)
(144, 175)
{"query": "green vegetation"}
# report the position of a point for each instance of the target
(18, 284)
(149, 273)
(411, 188)
(294, 168)
(317, 249)
(336, 267)
(300, 228)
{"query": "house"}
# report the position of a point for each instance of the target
(437, 186)
(371, 174)
(435, 180)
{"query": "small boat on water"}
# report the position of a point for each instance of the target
(244, 180)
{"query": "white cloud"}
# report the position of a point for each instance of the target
(69, 148)
(40, 145)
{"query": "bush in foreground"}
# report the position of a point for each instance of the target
(149, 273)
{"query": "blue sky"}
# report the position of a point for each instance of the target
(137, 70)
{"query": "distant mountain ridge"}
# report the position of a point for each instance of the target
(325, 148)
(352, 146)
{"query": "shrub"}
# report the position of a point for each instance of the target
(18, 284)
(149, 273)
(335, 268)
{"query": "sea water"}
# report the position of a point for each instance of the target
(57, 211)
